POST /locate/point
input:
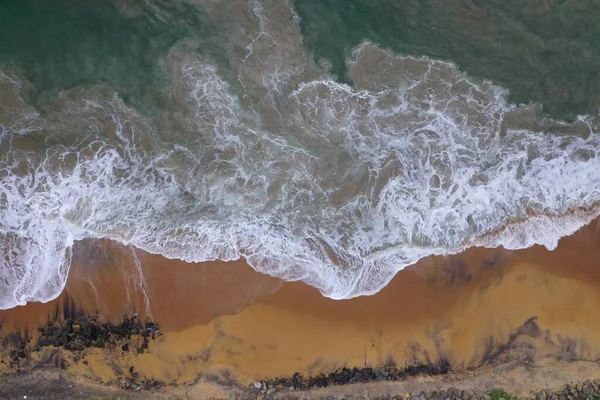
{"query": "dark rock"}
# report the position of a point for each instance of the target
(151, 326)
(125, 347)
(393, 375)
(586, 388)
(341, 377)
(63, 339)
(367, 374)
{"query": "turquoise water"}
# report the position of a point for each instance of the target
(203, 130)
(547, 52)
(62, 44)
(543, 52)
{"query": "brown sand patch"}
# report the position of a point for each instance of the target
(114, 280)
(478, 308)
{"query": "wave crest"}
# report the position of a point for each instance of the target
(306, 178)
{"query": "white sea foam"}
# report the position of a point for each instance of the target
(338, 186)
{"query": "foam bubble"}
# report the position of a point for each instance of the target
(338, 186)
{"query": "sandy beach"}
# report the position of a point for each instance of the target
(476, 310)
(320, 147)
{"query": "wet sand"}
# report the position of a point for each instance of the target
(469, 310)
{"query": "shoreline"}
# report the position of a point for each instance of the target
(463, 314)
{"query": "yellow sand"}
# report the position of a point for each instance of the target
(460, 308)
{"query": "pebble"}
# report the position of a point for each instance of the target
(257, 385)
(271, 390)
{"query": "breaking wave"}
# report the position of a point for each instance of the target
(306, 178)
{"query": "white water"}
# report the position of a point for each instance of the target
(340, 187)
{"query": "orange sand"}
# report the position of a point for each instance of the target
(224, 316)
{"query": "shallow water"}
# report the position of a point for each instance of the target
(201, 132)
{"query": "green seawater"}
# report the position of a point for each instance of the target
(202, 130)
(61, 44)
(543, 51)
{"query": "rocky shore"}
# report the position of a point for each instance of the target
(586, 390)
(78, 336)
(41, 384)
(131, 335)
(346, 376)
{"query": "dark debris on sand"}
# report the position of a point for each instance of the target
(345, 376)
(79, 334)
(134, 382)
(587, 390)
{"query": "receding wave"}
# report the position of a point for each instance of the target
(306, 178)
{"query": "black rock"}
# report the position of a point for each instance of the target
(63, 339)
(367, 374)
(151, 326)
(341, 377)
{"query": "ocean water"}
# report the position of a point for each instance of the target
(319, 143)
